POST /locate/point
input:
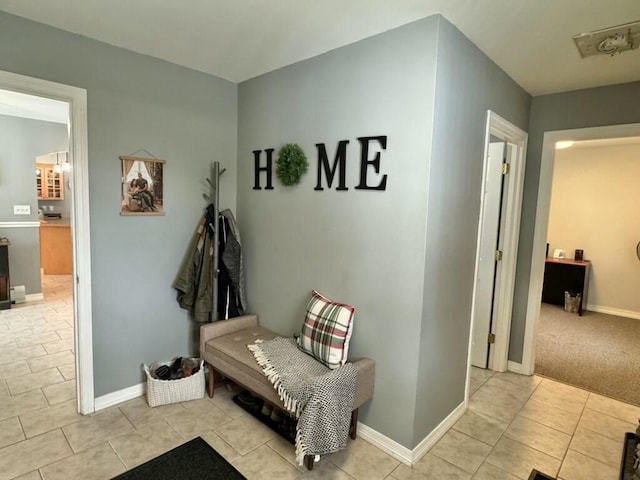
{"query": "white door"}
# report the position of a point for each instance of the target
(489, 244)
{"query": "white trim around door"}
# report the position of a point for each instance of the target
(79, 158)
(542, 220)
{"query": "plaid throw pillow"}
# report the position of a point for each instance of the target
(327, 330)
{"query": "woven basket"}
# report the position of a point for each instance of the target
(162, 392)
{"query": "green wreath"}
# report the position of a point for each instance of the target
(291, 164)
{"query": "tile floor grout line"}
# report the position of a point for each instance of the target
(570, 440)
(283, 458)
(164, 419)
(24, 434)
(50, 463)
(124, 464)
(597, 433)
(502, 435)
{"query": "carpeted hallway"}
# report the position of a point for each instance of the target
(596, 352)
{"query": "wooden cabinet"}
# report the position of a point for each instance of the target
(49, 184)
(561, 275)
(55, 249)
(5, 295)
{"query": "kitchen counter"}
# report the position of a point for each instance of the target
(54, 222)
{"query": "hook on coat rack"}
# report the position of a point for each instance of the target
(211, 184)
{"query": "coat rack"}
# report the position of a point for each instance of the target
(214, 198)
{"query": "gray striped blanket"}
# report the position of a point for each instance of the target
(320, 398)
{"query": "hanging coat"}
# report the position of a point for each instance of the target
(231, 256)
(194, 282)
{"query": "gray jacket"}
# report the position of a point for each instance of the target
(232, 259)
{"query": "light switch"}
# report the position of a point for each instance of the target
(22, 209)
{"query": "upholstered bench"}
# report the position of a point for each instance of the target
(223, 346)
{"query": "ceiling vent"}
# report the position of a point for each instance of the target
(609, 41)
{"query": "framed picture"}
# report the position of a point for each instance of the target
(559, 253)
(141, 186)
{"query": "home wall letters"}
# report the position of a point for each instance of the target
(327, 170)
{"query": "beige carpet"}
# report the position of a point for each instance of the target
(597, 352)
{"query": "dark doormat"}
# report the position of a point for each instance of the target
(283, 424)
(631, 441)
(194, 460)
(536, 475)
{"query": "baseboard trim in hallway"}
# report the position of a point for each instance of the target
(614, 311)
(405, 455)
(514, 367)
(119, 396)
(34, 297)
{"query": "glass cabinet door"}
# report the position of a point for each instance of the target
(49, 184)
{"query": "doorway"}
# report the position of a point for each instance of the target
(542, 219)
(76, 98)
(498, 233)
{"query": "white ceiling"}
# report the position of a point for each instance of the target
(239, 39)
(37, 108)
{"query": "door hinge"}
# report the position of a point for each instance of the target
(498, 255)
(506, 167)
(492, 338)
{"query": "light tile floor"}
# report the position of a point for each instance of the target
(514, 423)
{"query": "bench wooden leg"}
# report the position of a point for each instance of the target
(210, 380)
(353, 428)
(308, 461)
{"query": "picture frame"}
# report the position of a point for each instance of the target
(141, 186)
(559, 253)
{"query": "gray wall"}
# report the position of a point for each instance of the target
(403, 257)
(21, 140)
(365, 248)
(468, 83)
(594, 107)
(188, 119)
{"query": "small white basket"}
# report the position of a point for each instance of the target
(162, 392)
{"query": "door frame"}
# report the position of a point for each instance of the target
(543, 205)
(499, 127)
(76, 98)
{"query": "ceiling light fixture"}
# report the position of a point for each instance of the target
(57, 168)
(564, 144)
(609, 41)
(66, 166)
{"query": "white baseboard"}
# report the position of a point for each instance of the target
(34, 297)
(514, 367)
(119, 396)
(437, 433)
(385, 444)
(405, 455)
(614, 311)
